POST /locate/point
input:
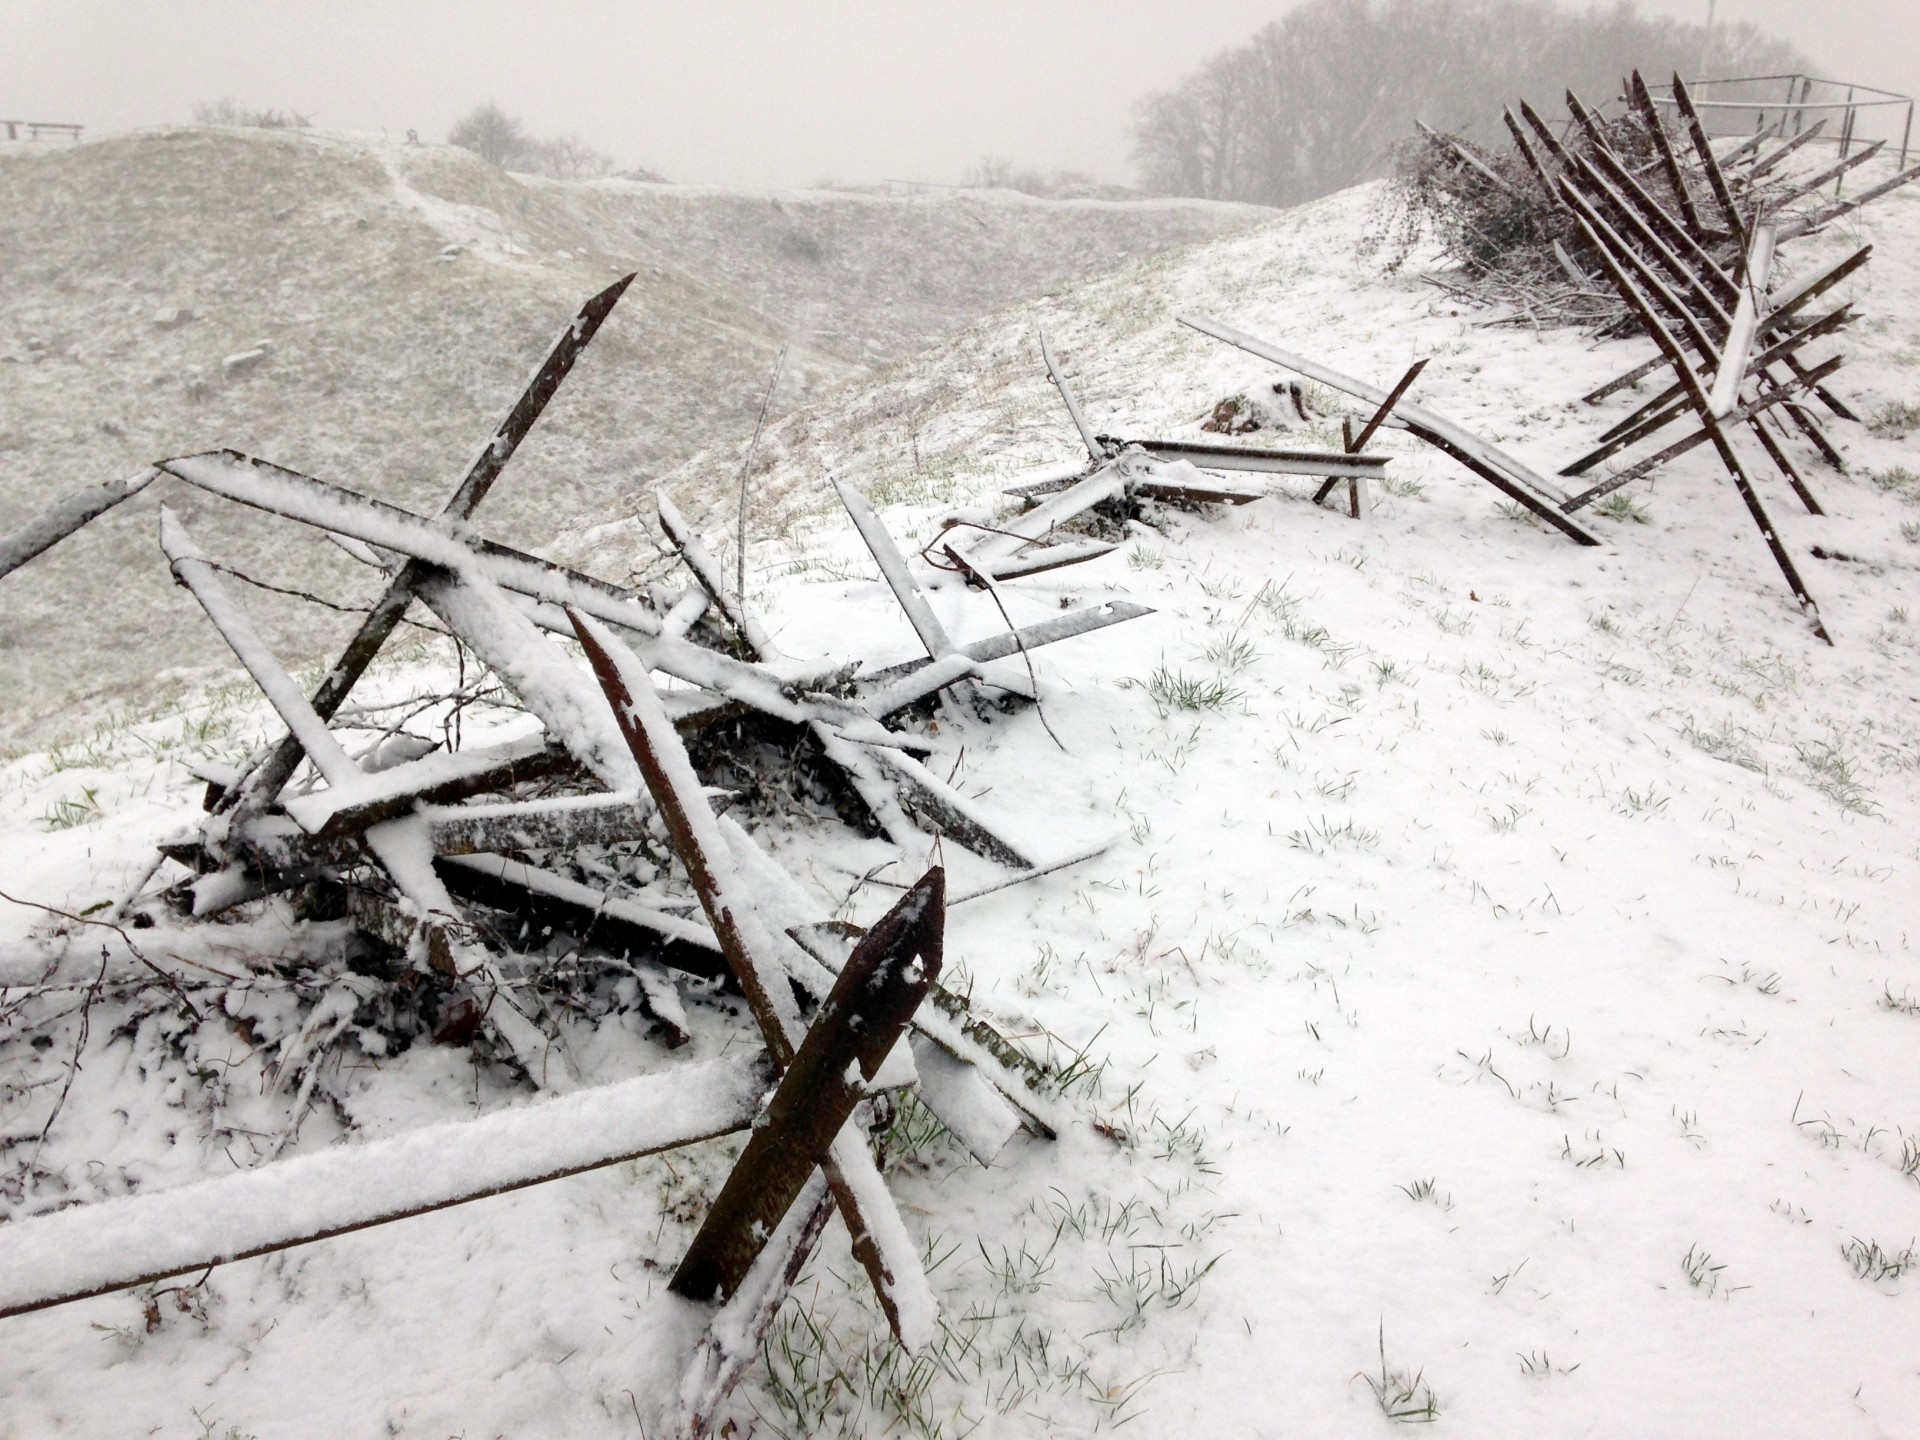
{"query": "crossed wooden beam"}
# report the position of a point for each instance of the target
(1125, 472)
(500, 601)
(1505, 472)
(614, 729)
(1694, 273)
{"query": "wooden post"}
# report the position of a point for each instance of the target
(868, 1010)
(69, 515)
(754, 953)
(260, 787)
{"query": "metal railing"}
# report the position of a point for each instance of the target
(1788, 104)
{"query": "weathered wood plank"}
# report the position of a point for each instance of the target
(860, 1021)
(135, 1239)
(59, 521)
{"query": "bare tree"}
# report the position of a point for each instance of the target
(998, 173)
(489, 132)
(500, 139)
(1318, 100)
(566, 157)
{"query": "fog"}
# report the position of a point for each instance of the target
(747, 92)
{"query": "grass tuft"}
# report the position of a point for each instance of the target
(1871, 1262)
(1405, 1399)
(1623, 507)
(1831, 771)
(1895, 418)
(1172, 690)
(72, 810)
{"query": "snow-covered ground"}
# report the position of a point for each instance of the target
(1500, 991)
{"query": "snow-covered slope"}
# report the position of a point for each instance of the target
(1503, 977)
(404, 292)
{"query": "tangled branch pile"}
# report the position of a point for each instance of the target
(1506, 238)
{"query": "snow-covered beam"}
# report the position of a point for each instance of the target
(131, 1240)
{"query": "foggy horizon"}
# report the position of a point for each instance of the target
(747, 94)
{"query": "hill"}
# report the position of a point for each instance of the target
(404, 292)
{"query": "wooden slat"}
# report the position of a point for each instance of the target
(136, 1239)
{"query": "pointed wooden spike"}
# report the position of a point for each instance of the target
(872, 1001)
(1355, 444)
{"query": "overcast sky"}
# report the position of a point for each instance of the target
(732, 92)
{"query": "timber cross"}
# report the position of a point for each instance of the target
(429, 848)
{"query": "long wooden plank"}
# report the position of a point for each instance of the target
(135, 1239)
(288, 493)
(1208, 456)
(546, 902)
(893, 569)
(1087, 437)
(1772, 161)
(1832, 172)
(1103, 484)
(435, 779)
(1496, 467)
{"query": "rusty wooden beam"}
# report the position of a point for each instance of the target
(1669, 163)
(861, 1020)
(271, 776)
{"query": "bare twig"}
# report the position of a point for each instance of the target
(120, 930)
(746, 468)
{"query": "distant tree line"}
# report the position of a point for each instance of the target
(1320, 99)
(998, 173)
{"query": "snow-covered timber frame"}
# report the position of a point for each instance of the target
(1693, 272)
(411, 844)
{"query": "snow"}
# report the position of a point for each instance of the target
(1515, 924)
(965, 1102)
